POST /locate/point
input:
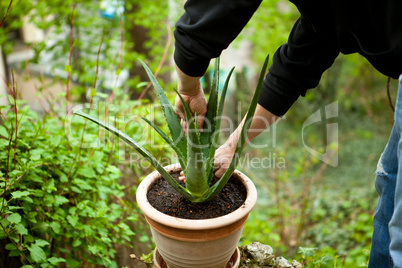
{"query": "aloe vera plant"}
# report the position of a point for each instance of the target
(195, 150)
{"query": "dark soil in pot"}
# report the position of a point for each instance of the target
(165, 199)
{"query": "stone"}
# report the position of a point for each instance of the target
(281, 262)
(260, 253)
(296, 264)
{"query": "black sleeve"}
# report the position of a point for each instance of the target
(297, 66)
(206, 28)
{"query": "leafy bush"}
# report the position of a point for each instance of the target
(59, 203)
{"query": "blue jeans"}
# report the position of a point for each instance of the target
(386, 246)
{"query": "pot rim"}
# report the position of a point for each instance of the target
(194, 224)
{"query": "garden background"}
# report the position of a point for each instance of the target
(67, 189)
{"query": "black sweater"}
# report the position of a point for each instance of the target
(372, 28)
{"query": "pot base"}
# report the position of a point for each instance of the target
(232, 263)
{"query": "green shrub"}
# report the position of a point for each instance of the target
(58, 203)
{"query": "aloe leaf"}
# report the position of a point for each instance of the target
(173, 123)
(169, 141)
(210, 117)
(217, 187)
(196, 181)
(209, 165)
(180, 189)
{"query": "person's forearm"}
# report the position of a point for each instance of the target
(187, 85)
(261, 121)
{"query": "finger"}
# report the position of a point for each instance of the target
(219, 173)
(217, 165)
(184, 125)
(200, 122)
(182, 178)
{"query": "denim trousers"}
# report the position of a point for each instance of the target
(386, 245)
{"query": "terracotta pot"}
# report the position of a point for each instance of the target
(233, 262)
(183, 243)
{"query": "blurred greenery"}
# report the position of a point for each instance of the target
(319, 214)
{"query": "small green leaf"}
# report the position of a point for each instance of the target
(27, 266)
(2, 234)
(141, 84)
(97, 157)
(67, 68)
(41, 242)
(55, 227)
(76, 243)
(11, 99)
(21, 229)
(86, 171)
(82, 184)
(55, 260)
(14, 253)
(306, 252)
(36, 154)
(10, 246)
(93, 92)
(60, 200)
(14, 218)
(73, 220)
(37, 254)
(118, 71)
(93, 249)
(19, 194)
(3, 143)
(55, 141)
(3, 132)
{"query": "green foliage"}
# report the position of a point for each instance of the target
(58, 203)
(144, 31)
(341, 202)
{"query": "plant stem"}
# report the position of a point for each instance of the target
(5, 15)
(16, 117)
(70, 56)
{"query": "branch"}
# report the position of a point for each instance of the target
(5, 15)
(70, 56)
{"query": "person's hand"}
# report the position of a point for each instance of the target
(193, 95)
(223, 157)
(196, 102)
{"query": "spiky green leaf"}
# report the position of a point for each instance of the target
(217, 187)
(170, 142)
(210, 117)
(209, 165)
(180, 189)
(175, 128)
(196, 181)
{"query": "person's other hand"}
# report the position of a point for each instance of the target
(223, 157)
